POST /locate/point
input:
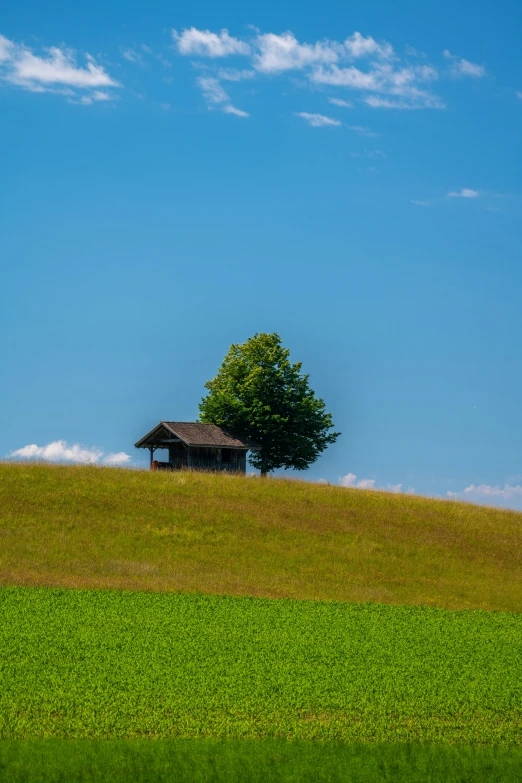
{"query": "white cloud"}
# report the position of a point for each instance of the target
(229, 109)
(61, 451)
(362, 131)
(57, 71)
(58, 68)
(464, 67)
(316, 120)
(366, 484)
(395, 488)
(276, 53)
(344, 77)
(340, 102)
(463, 193)
(350, 480)
(519, 94)
(421, 203)
(359, 46)
(207, 44)
(119, 458)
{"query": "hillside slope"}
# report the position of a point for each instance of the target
(110, 528)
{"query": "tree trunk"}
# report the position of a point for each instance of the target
(263, 473)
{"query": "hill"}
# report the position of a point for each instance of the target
(90, 527)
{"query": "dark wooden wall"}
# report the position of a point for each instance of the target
(199, 458)
(178, 454)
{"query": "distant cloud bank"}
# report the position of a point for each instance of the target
(370, 71)
(358, 63)
(61, 451)
(350, 480)
(509, 496)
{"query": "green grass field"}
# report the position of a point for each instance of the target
(267, 761)
(140, 639)
(105, 528)
(108, 664)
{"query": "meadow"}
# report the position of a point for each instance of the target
(122, 665)
(88, 527)
(194, 627)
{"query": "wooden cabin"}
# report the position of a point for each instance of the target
(196, 446)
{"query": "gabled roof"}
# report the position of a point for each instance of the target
(194, 434)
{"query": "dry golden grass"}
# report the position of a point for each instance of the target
(193, 532)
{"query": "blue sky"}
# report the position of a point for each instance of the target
(349, 175)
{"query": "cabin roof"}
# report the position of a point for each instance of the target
(194, 434)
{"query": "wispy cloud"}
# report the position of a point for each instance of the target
(463, 193)
(96, 95)
(216, 95)
(61, 451)
(362, 131)
(464, 67)
(235, 75)
(212, 90)
(55, 71)
(425, 102)
(229, 109)
(421, 203)
(384, 79)
(341, 102)
(368, 154)
(317, 120)
(132, 56)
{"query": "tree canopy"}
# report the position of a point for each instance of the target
(260, 395)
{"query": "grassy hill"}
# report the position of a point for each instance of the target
(90, 527)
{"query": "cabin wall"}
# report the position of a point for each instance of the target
(211, 459)
(178, 456)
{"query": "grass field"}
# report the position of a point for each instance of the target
(396, 674)
(108, 664)
(106, 528)
(269, 761)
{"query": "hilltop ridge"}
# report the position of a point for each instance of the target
(92, 527)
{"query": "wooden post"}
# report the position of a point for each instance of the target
(151, 448)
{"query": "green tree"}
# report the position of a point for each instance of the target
(260, 395)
